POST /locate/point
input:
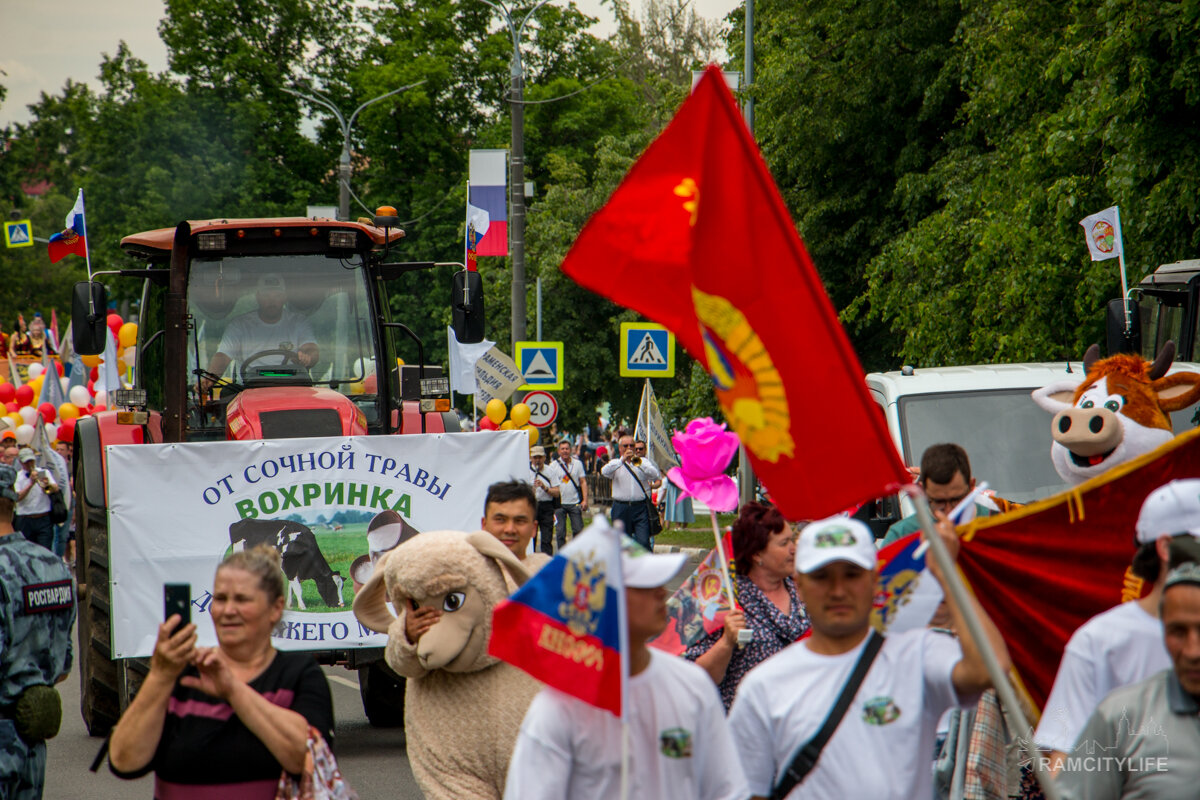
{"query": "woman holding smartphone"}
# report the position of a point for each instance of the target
(228, 718)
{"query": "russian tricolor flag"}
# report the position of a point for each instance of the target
(488, 191)
(73, 238)
(567, 626)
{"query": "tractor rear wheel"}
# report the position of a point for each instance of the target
(99, 676)
(382, 692)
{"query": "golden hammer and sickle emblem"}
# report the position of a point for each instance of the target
(688, 189)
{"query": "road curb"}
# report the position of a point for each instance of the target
(688, 551)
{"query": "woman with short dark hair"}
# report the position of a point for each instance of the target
(228, 718)
(764, 549)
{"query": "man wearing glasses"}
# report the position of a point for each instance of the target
(946, 479)
(631, 478)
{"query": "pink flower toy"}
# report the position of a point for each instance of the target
(705, 450)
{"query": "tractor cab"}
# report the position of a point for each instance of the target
(1170, 300)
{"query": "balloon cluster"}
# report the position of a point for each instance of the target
(83, 400)
(499, 417)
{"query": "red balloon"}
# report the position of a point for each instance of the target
(486, 424)
(370, 384)
(8, 393)
(92, 376)
(66, 430)
(97, 409)
(24, 395)
(11, 406)
(115, 322)
(58, 366)
(48, 411)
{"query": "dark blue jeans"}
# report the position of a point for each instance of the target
(39, 530)
(633, 517)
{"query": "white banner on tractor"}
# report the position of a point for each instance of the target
(176, 510)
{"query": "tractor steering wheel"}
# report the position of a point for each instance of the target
(290, 356)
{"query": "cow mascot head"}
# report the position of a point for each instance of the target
(1119, 412)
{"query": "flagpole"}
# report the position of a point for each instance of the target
(724, 560)
(87, 250)
(467, 229)
(953, 583)
(1124, 280)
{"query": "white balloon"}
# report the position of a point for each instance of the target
(79, 396)
(24, 434)
(129, 354)
(51, 431)
(28, 414)
(35, 369)
(102, 398)
(64, 382)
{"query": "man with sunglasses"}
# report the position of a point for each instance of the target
(946, 479)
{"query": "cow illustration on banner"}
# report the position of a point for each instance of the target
(331, 507)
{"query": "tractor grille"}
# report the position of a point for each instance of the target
(301, 423)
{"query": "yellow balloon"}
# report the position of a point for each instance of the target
(520, 414)
(127, 334)
(16, 420)
(507, 425)
(496, 411)
(532, 431)
(90, 361)
(68, 411)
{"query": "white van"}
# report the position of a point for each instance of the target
(988, 411)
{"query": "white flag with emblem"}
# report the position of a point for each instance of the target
(1103, 233)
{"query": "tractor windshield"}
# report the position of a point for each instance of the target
(280, 320)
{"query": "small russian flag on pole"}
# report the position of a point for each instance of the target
(73, 238)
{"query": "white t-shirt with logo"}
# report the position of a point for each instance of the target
(570, 495)
(679, 742)
(1119, 647)
(248, 334)
(883, 747)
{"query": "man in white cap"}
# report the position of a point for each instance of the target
(882, 745)
(33, 502)
(1123, 645)
(269, 327)
(679, 744)
(546, 480)
(1142, 740)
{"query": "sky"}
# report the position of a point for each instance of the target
(39, 51)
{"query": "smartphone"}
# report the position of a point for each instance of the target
(177, 599)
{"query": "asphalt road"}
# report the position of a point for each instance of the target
(373, 760)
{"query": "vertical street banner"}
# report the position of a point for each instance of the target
(650, 429)
(488, 195)
(328, 505)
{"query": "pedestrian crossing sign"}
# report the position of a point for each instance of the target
(18, 233)
(542, 365)
(647, 351)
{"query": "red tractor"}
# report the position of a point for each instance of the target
(318, 280)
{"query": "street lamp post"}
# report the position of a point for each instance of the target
(517, 180)
(347, 127)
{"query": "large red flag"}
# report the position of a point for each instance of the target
(1043, 570)
(697, 238)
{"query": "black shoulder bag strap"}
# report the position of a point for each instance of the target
(567, 471)
(804, 760)
(637, 480)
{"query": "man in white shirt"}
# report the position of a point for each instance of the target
(33, 502)
(883, 746)
(1123, 645)
(546, 489)
(574, 494)
(270, 327)
(679, 743)
(631, 478)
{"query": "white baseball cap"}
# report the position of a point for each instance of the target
(835, 539)
(641, 569)
(1170, 510)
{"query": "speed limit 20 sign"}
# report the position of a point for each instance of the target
(543, 408)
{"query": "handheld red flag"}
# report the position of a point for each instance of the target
(697, 238)
(1016, 563)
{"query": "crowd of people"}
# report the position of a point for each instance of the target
(795, 695)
